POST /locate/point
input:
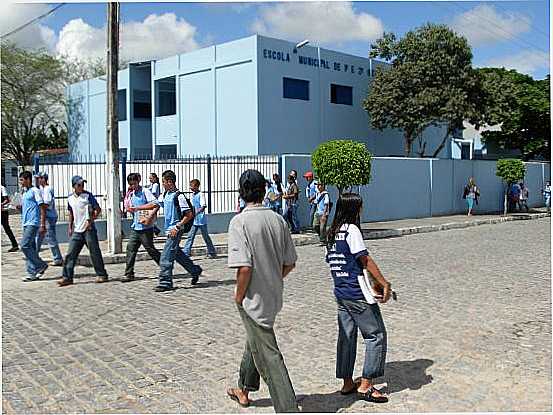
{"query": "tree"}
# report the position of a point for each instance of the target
(511, 171)
(342, 163)
(430, 83)
(32, 102)
(522, 106)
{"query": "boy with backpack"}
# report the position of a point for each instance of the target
(200, 221)
(179, 216)
(322, 201)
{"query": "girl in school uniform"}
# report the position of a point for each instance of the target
(357, 296)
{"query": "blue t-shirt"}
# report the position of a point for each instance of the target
(322, 200)
(30, 210)
(198, 201)
(167, 201)
(141, 197)
(311, 190)
(345, 268)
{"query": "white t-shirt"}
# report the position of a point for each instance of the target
(81, 207)
(4, 194)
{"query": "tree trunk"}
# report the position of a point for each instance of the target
(408, 144)
(505, 205)
(442, 144)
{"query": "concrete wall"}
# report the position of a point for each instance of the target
(411, 188)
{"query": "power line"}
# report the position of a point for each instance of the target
(498, 4)
(33, 21)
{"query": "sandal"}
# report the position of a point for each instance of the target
(369, 396)
(352, 390)
(232, 395)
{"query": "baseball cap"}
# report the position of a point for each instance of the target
(252, 179)
(308, 174)
(41, 174)
(77, 180)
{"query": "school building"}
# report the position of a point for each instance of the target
(256, 95)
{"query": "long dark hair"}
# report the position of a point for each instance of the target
(278, 182)
(348, 211)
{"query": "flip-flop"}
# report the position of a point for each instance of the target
(368, 396)
(232, 395)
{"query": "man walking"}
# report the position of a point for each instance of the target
(200, 222)
(547, 195)
(83, 210)
(311, 194)
(177, 213)
(6, 220)
(291, 201)
(143, 205)
(33, 219)
(260, 247)
(51, 218)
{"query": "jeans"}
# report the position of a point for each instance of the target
(50, 236)
(312, 210)
(76, 243)
(319, 226)
(291, 216)
(137, 238)
(190, 240)
(171, 253)
(353, 314)
(276, 207)
(28, 247)
(262, 358)
(7, 229)
(548, 202)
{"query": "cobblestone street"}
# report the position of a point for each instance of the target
(471, 331)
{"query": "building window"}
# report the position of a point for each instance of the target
(167, 97)
(122, 105)
(14, 172)
(142, 105)
(295, 89)
(165, 152)
(340, 94)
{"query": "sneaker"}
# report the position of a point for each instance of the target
(212, 256)
(195, 279)
(13, 249)
(161, 289)
(58, 263)
(30, 278)
(62, 282)
(102, 279)
(127, 278)
(41, 272)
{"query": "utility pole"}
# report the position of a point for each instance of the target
(115, 241)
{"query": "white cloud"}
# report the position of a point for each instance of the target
(528, 61)
(329, 22)
(483, 24)
(158, 36)
(34, 36)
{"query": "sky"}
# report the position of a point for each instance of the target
(511, 34)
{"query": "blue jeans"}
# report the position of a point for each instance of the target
(291, 216)
(171, 253)
(76, 243)
(354, 314)
(50, 236)
(190, 240)
(312, 210)
(28, 247)
(548, 202)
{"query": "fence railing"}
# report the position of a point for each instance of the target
(218, 176)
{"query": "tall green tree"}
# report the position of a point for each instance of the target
(522, 106)
(32, 102)
(510, 171)
(431, 82)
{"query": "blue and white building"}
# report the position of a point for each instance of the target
(256, 95)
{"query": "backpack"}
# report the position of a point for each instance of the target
(330, 203)
(188, 225)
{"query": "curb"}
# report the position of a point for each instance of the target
(312, 239)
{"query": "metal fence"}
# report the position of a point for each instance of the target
(218, 177)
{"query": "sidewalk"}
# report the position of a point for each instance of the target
(372, 230)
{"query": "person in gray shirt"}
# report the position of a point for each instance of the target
(260, 247)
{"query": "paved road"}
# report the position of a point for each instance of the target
(471, 332)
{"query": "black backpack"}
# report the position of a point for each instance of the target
(188, 225)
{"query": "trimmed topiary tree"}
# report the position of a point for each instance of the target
(342, 163)
(511, 171)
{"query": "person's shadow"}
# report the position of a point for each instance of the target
(398, 375)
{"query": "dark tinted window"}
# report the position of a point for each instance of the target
(340, 94)
(295, 89)
(142, 106)
(122, 104)
(167, 97)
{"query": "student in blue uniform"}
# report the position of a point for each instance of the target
(310, 195)
(33, 220)
(200, 221)
(51, 218)
(177, 213)
(357, 296)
